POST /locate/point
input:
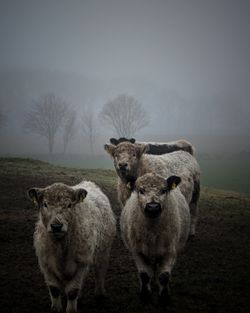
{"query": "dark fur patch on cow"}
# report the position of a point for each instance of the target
(159, 260)
(161, 149)
(145, 259)
(144, 278)
(165, 148)
(196, 192)
(55, 292)
(164, 278)
(72, 294)
(131, 180)
(115, 141)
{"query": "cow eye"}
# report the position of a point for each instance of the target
(134, 155)
(163, 190)
(69, 205)
(45, 205)
(141, 191)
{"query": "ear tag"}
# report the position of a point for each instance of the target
(129, 186)
(34, 200)
(173, 186)
(81, 198)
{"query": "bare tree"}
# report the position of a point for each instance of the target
(125, 115)
(69, 128)
(87, 127)
(46, 117)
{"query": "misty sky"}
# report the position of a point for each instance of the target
(198, 50)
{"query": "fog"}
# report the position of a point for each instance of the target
(187, 62)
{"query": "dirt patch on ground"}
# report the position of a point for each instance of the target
(211, 275)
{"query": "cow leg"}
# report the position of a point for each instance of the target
(194, 207)
(100, 269)
(55, 296)
(145, 275)
(164, 279)
(73, 289)
(54, 290)
(164, 274)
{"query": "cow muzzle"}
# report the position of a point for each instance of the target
(123, 169)
(153, 210)
(56, 230)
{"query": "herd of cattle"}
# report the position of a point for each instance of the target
(158, 189)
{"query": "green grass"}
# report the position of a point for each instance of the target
(35, 168)
(226, 174)
(215, 173)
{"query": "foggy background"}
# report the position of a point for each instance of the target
(186, 62)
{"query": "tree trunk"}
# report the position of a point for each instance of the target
(51, 145)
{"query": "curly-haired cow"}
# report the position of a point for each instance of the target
(75, 230)
(131, 162)
(154, 226)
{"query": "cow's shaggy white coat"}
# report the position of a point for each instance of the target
(86, 231)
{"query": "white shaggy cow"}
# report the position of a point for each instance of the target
(131, 162)
(75, 230)
(154, 226)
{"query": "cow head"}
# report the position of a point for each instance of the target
(126, 158)
(56, 204)
(152, 190)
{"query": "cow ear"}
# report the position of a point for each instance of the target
(141, 149)
(132, 140)
(34, 194)
(110, 149)
(122, 139)
(113, 141)
(80, 194)
(172, 182)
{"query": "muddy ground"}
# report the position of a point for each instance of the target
(211, 275)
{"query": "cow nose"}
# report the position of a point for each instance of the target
(153, 209)
(56, 228)
(123, 166)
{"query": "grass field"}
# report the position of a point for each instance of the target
(228, 174)
(212, 275)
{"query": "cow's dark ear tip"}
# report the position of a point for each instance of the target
(80, 194)
(172, 182)
(32, 194)
(113, 141)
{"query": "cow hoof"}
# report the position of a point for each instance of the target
(145, 293)
(55, 310)
(164, 279)
(100, 298)
(145, 296)
(165, 298)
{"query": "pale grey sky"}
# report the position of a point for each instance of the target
(190, 51)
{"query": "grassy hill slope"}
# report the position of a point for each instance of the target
(211, 275)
